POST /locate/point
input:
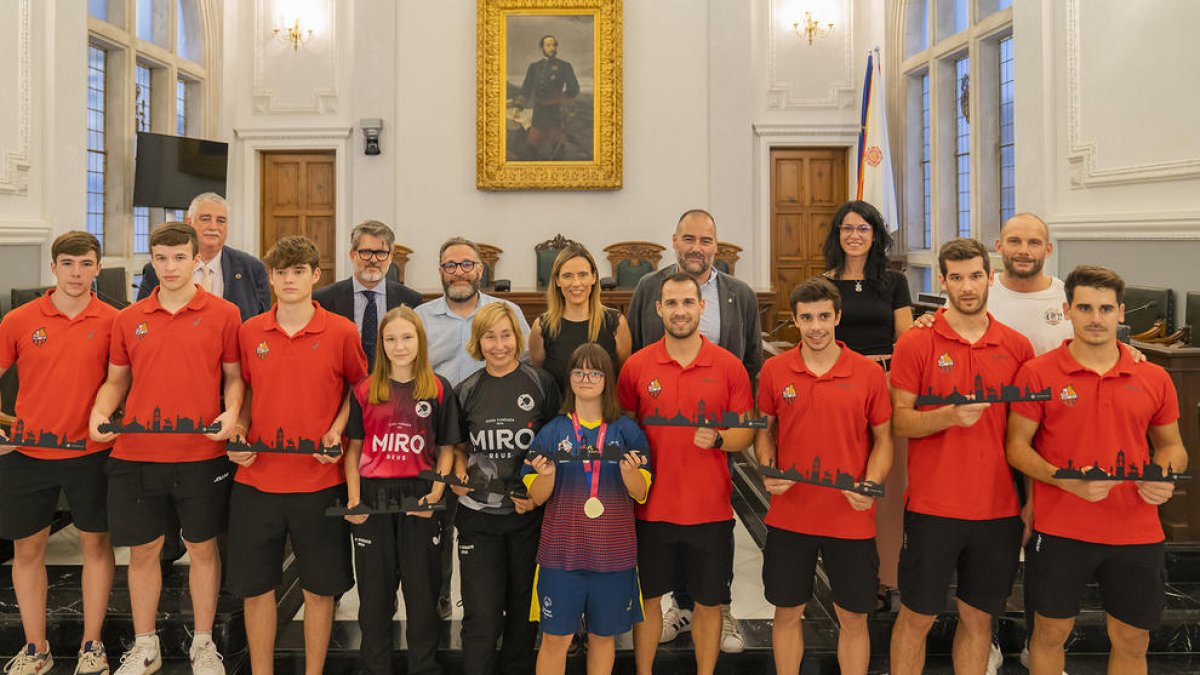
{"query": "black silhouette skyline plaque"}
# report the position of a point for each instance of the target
(384, 504)
(289, 446)
(835, 479)
(493, 486)
(43, 439)
(1005, 394)
(158, 425)
(1148, 472)
(725, 420)
(611, 453)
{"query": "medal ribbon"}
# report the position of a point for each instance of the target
(587, 466)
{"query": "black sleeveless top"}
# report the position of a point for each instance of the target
(571, 334)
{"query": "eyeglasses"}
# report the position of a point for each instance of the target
(851, 229)
(465, 265)
(587, 375)
(366, 254)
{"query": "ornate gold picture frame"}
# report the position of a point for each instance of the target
(548, 95)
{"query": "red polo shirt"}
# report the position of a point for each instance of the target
(1096, 420)
(691, 484)
(52, 350)
(960, 472)
(843, 404)
(298, 385)
(176, 364)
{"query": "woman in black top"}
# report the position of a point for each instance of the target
(876, 306)
(574, 316)
(876, 310)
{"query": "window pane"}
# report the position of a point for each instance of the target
(962, 149)
(926, 179)
(154, 22)
(924, 277)
(986, 8)
(1008, 161)
(189, 31)
(952, 17)
(97, 63)
(916, 29)
(141, 214)
(98, 9)
(180, 108)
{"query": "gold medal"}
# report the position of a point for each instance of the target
(593, 508)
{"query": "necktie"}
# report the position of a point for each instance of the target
(206, 278)
(370, 328)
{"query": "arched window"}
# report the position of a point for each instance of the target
(149, 66)
(956, 110)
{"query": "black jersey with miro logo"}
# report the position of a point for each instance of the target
(501, 416)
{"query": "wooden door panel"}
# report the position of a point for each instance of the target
(788, 189)
(299, 199)
(320, 186)
(823, 181)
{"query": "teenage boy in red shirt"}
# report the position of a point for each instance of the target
(822, 384)
(961, 506)
(1102, 409)
(685, 528)
(296, 347)
(173, 360)
(60, 337)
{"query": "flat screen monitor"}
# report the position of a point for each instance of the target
(171, 170)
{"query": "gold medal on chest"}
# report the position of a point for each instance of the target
(593, 508)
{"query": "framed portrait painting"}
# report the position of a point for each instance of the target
(548, 95)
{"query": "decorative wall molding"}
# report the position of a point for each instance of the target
(841, 92)
(1126, 226)
(14, 172)
(265, 100)
(24, 234)
(292, 133)
(1082, 154)
(807, 134)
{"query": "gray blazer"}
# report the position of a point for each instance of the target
(741, 333)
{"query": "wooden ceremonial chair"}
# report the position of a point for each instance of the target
(632, 260)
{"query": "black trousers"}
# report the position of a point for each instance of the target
(447, 545)
(396, 551)
(497, 556)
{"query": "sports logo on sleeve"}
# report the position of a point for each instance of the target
(789, 394)
(262, 350)
(39, 337)
(1068, 396)
(654, 388)
(142, 330)
(945, 362)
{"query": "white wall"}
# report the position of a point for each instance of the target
(1106, 146)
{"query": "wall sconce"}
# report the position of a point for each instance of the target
(808, 28)
(293, 35)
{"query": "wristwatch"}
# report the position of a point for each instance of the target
(719, 442)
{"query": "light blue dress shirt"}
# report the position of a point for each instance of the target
(710, 320)
(448, 333)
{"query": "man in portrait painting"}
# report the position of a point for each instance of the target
(549, 88)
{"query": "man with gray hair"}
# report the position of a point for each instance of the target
(223, 271)
(368, 294)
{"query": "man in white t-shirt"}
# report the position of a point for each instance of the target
(1024, 297)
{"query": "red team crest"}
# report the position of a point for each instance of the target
(945, 363)
(39, 337)
(262, 350)
(789, 394)
(1068, 396)
(141, 331)
(654, 388)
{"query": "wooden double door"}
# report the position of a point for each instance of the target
(807, 187)
(298, 197)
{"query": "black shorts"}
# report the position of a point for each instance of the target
(1130, 577)
(29, 490)
(984, 553)
(790, 561)
(139, 493)
(260, 524)
(695, 558)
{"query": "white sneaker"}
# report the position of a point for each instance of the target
(205, 659)
(732, 641)
(30, 662)
(1025, 658)
(143, 657)
(675, 621)
(995, 660)
(92, 660)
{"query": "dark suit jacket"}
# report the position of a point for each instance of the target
(245, 280)
(339, 297)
